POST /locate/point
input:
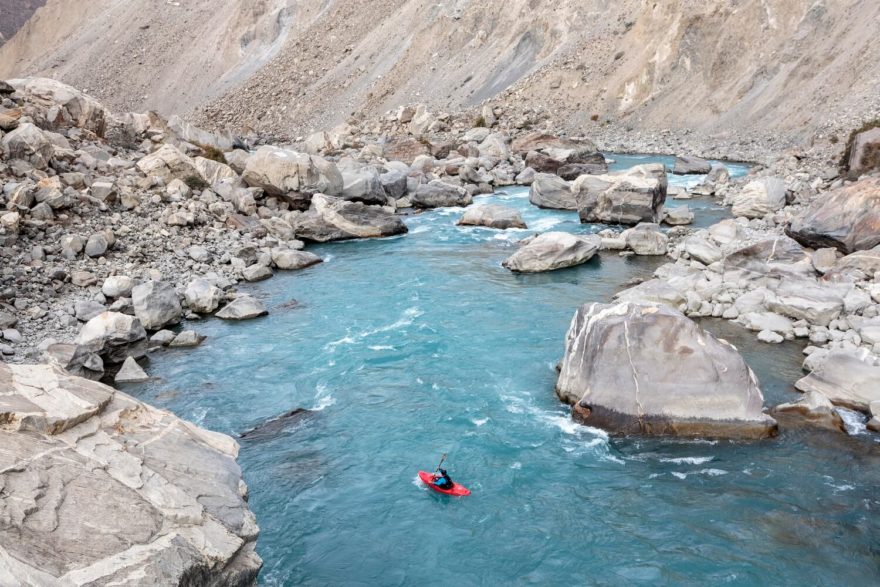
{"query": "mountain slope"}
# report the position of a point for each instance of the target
(787, 67)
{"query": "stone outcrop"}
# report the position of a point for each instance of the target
(847, 219)
(648, 369)
(634, 196)
(492, 216)
(332, 219)
(101, 489)
(551, 251)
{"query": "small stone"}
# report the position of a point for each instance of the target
(199, 254)
(163, 337)
(83, 278)
(85, 310)
(188, 338)
(117, 286)
(97, 245)
(769, 336)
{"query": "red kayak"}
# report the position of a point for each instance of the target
(428, 479)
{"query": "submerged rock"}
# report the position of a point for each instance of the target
(273, 427)
(847, 219)
(99, 488)
(492, 216)
(553, 250)
(648, 369)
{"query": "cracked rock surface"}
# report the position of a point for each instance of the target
(98, 488)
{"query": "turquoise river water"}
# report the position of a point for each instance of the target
(410, 347)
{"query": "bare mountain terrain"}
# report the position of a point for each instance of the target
(787, 68)
(13, 14)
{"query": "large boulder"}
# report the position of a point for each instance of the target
(691, 165)
(190, 133)
(291, 260)
(101, 489)
(156, 304)
(243, 308)
(202, 296)
(438, 194)
(295, 176)
(648, 369)
(537, 141)
(168, 163)
(759, 198)
(29, 143)
(551, 191)
(492, 216)
(849, 378)
(363, 185)
(114, 336)
(646, 239)
(213, 172)
(332, 219)
(551, 251)
(847, 219)
(634, 196)
(865, 152)
(64, 106)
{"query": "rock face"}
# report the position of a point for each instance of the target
(689, 164)
(332, 219)
(296, 176)
(492, 216)
(847, 219)
(847, 378)
(648, 369)
(551, 191)
(553, 250)
(759, 198)
(100, 489)
(156, 304)
(632, 197)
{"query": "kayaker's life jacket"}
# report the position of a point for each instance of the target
(443, 480)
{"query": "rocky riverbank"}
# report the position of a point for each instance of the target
(118, 227)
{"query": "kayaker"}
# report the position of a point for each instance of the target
(443, 480)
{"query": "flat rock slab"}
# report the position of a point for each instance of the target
(551, 251)
(100, 489)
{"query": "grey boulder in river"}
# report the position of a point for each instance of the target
(492, 216)
(553, 250)
(648, 369)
